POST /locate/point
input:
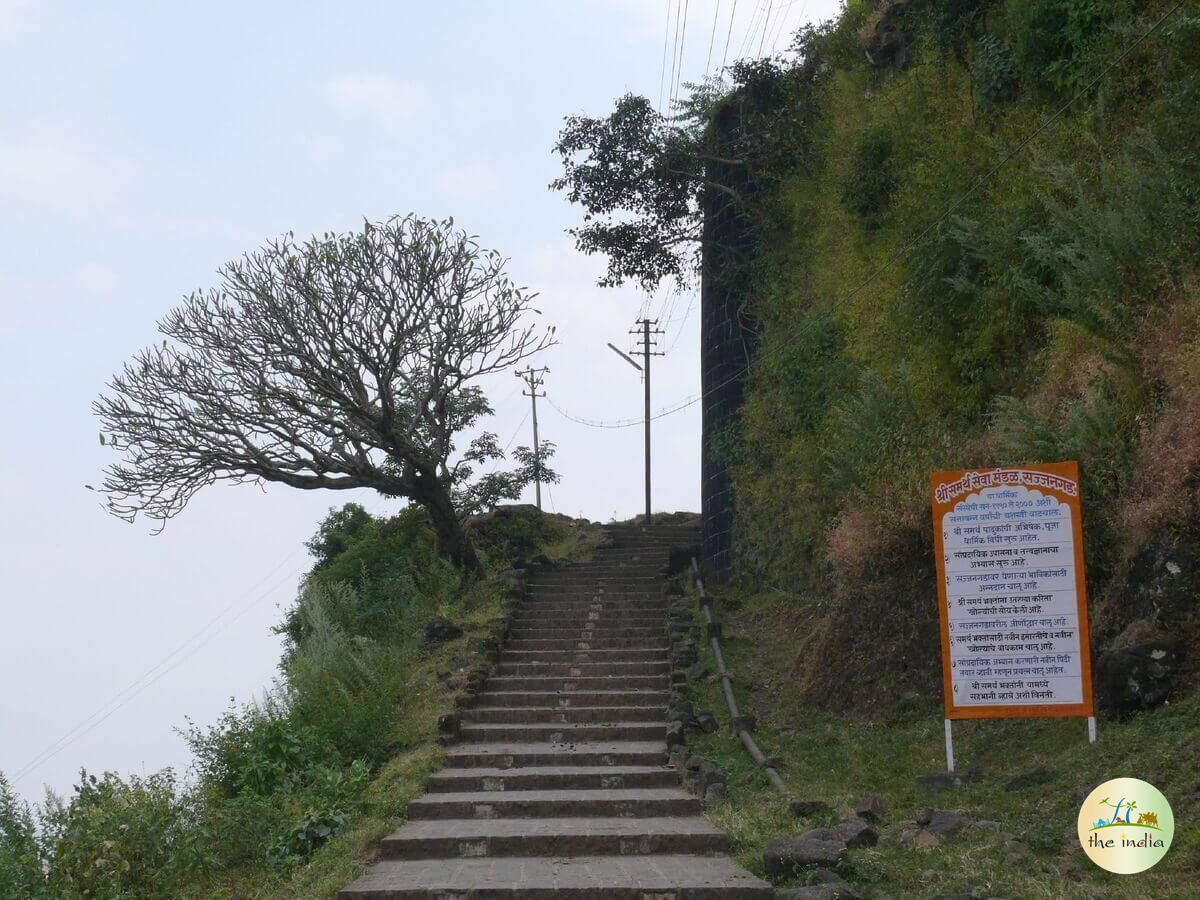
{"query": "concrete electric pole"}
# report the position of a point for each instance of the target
(534, 378)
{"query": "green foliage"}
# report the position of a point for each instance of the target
(994, 75)
(393, 566)
(257, 751)
(338, 531)
(21, 860)
(1059, 45)
(1103, 239)
(344, 688)
(130, 838)
(335, 798)
(873, 177)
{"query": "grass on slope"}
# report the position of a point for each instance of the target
(839, 759)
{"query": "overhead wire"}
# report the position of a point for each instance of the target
(711, 40)
(159, 670)
(728, 35)
(766, 26)
(662, 73)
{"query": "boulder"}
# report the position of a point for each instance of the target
(707, 722)
(674, 734)
(854, 833)
(1138, 677)
(696, 671)
(784, 856)
(440, 630)
(714, 793)
(943, 822)
(806, 809)
(871, 808)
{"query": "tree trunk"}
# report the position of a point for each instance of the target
(453, 541)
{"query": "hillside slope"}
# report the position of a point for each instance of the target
(983, 251)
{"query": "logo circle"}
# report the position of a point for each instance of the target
(1126, 825)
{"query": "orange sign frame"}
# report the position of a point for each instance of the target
(1061, 481)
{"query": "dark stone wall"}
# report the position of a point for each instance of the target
(727, 335)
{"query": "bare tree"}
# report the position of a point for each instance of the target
(344, 362)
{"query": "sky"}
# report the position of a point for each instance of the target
(142, 146)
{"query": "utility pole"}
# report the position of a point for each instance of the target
(647, 345)
(534, 378)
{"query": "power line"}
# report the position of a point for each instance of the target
(156, 672)
(682, 42)
(766, 26)
(662, 75)
(711, 39)
(624, 423)
(675, 65)
(728, 34)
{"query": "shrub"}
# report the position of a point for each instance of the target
(993, 75)
(1101, 242)
(21, 872)
(1059, 45)
(256, 751)
(872, 181)
(128, 839)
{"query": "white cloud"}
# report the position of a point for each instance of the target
(387, 103)
(468, 181)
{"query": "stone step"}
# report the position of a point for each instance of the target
(588, 642)
(545, 804)
(611, 618)
(569, 699)
(618, 655)
(582, 670)
(513, 754)
(588, 601)
(563, 715)
(610, 629)
(566, 836)
(543, 680)
(552, 778)
(663, 877)
(488, 733)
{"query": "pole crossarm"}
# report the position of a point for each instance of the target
(534, 377)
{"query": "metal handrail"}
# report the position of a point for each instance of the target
(736, 720)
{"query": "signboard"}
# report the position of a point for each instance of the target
(1013, 599)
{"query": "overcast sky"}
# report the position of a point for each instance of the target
(143, 145)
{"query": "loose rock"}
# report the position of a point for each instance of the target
(440, 630)
(871, 808)
(785, 855)
(807, 809)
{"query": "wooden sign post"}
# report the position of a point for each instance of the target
(1013, 597)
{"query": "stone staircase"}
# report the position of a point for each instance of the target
(559, 785)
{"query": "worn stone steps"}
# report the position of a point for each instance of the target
(552, 778)
(564, 714)
(560, 733)
(567, 677)
(560, 803)
(564, 836)
(513, 754)
(588, 642)
(618, 655)
(558, 785)
(567, 699)
(660, 877)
